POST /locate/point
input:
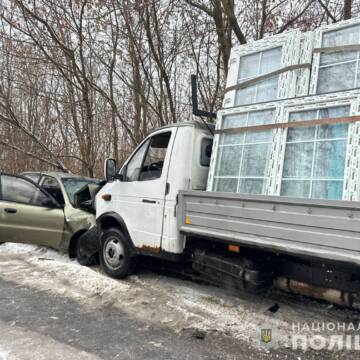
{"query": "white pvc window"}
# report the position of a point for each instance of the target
(254, 65)
(314, 162)
(339, 70)
(243, 157)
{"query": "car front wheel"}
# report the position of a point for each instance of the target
(115, 254)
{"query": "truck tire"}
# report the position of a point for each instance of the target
(115, 254)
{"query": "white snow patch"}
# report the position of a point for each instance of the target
(4, 355)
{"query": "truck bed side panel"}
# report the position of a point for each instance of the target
(325, 229)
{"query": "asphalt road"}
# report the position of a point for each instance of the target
(106, 334)
(37, 325)
(55, 309)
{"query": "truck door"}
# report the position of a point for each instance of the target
(140, 197)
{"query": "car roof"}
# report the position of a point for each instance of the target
(193, 123)
(57, 175)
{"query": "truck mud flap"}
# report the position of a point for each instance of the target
(232, 271)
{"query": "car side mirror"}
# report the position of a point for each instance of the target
(110, 170)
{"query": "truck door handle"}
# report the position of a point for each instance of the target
(148, 201)
(10, 211)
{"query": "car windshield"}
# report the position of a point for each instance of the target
(72, 185)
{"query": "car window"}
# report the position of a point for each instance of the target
(134, 165)
(19, 190)
(52, 186)
(206, 149)
(155, 157)
(73, 185)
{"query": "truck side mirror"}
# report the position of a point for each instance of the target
(110, 169)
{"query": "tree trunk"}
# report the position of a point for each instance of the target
(347, 9)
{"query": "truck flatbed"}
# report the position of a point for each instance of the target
(321, 229)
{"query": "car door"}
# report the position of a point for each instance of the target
(28, 214)
(140, 196)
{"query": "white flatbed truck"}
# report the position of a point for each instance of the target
(156, 205)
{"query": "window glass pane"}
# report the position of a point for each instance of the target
(262, 62)
(337, 57)
(337, 130)
(346, 36)
(251, 186)
(155, 157)
(249, 66)
(229, 161)
(267, 90)
(332, 131)
(301, 134)
(255, 159)
(19, 190)
(233, 121)
(270, 60)
(338, 111)
(263, 91)
(336, 78)
(226, 185)
(260, 118)
(246, 95)
(258, 136)
(298, 160)
(304, 115)
(298, 188)
(134, 166)
(331, 190)
(330, 159)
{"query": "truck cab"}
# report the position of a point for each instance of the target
(136, 209)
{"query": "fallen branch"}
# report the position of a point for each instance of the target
(16, 148)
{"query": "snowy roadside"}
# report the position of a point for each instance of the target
(158, 299)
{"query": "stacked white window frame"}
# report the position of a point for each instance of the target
(321, 161)
(336, 70)
(259, 58)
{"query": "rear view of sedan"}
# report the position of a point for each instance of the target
(38, 208)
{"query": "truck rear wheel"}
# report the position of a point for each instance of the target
(115, 254)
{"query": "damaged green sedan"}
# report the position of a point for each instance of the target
(43, 209)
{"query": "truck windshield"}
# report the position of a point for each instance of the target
(72, 185)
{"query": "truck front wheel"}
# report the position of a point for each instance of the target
(115, 254)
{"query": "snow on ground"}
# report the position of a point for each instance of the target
(169, 301)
